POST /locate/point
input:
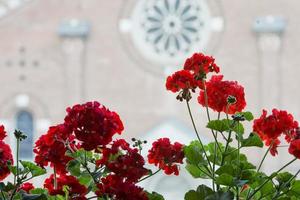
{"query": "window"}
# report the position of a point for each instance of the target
(24, 122)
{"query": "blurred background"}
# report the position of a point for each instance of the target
(55, 53)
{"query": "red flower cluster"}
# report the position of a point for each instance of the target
(76, 190)
(93, 124)
(192, 76)
(5, 155)
(181, 80)
(294, 148)
(27, 187)
(127, 162)
(201, 64)
(218, 92)
(166, 156)
(2, 133)
(271, 127)
(117, 188)
(51, 148)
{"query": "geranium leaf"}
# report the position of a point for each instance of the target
(154, 196)
(220, 195)
(225, 179)
(194, 153)
(252, 141)
(200, 194)
(33, 168)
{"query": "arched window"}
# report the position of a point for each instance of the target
(24, 122)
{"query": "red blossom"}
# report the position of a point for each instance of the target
(294, 148)
(2, 132)
(181, 80)
(5, 157)
(116, 188)
(166, 156)
(93, 124)
(76, 190)
(218, 92)
(26, 187)
(126, 162)
(201, 64)
(271, 127)
(51, 148)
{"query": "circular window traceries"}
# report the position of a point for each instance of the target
(167, 31)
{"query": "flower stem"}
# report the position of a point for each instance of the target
(263, 159)
(55, 178)
(270, 178)
(197, 134)
(152, 174)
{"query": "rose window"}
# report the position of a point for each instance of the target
(168, 30)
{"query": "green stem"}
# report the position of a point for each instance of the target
(197, 134)
(263, 159)
(269, 178)
(149, 175)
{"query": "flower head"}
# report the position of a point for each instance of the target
(218, 92)
(2, 132)
(76, 190)
(5, 158)
(181, 80)
(124, 161)
(166, 156)
(26, 187)
(201, 64)
(51, 148)
(271, 127)
(294, 148)
(116, 188)
(93, 124)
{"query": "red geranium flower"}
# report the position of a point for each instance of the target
(166, 156)
(5, 157)
(76, 190)
(126, 162)
(93, 124)
(26, 187)
(201, 64)
(116, 188)
(294, 148)
(270, 128)
(218, 92)
(2, 132)
(51, 147)
(181, 80)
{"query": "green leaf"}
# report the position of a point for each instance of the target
(33, 168)
(267, 189)
(226, 169)
(218, 125)
(194, 153)
(73, 167)
(220, 195)
(283, 177)
(200, 194)
(154, 196)
(225, 179)
(252, 141)
(295, 188)
(195, 171)
(247, 115)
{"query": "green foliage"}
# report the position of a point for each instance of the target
(154, 196)
(226, 125)
(200, 194)
(252, 141)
